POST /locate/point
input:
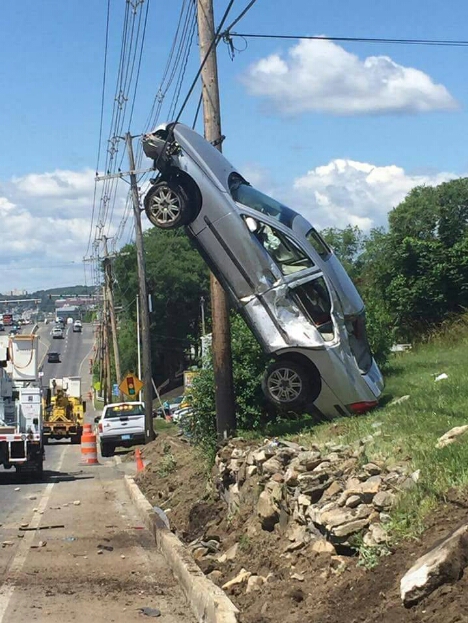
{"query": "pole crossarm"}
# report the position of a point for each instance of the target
(122, 174)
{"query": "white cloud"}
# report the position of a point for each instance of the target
(46, 220)
(318, 75)
(346, 192)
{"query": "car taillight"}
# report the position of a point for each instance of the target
(362, 407)
(100, 427)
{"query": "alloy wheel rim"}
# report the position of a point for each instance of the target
(285, 385)
(165, 206)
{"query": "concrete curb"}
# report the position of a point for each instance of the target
(208, 602)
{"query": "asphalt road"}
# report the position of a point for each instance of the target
(75, 351)
(97, 562)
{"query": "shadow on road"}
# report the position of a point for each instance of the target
(14, 478)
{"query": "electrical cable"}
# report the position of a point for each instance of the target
(101, 123)
(214, 42)
(429, 42)
(239, 17)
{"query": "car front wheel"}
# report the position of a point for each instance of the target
(287, 385)
(169, 204)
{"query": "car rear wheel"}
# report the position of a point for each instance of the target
(107, 449)
(170, 204)
(287, 385)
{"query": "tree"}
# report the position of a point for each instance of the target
(177, 278)
(418, 268)
(347, 243)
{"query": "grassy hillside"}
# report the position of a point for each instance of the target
(408, 431)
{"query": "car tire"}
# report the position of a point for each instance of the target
(288, 385)
(106, 450)
(170, 204)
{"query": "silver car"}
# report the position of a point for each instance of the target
(284, 279)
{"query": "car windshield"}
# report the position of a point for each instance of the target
(285, 253)
(123, 411)
(244, 193)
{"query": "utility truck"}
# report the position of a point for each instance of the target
(21, 444)
(64, 410)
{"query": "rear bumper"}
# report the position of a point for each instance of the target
(135, 438)
(62, 430)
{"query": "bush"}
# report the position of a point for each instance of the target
(249, 364)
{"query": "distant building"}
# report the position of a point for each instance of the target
(17, 293)
(68, 311)
(79, 301)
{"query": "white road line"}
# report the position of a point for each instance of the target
(87, 356)
(8, 587)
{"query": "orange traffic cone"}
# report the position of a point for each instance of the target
(139, 461)
(88, 446)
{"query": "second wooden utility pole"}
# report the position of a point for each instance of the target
(143, 292)
(221, 344)
(107, 360)
(111, 308)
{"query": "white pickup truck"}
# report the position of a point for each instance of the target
(121, 424)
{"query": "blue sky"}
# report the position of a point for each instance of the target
(285, 109)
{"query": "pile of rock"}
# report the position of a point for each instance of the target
(320, 495)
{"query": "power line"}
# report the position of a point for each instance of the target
(101, 122)
(214, 42)
(429, 42)
(240, 16)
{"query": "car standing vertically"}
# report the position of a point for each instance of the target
(287, 283)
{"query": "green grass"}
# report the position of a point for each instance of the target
(161, 425)
(409, 431)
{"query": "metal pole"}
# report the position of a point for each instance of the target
(138, 339)
(145, 320)
(202, 308)
(221, 345)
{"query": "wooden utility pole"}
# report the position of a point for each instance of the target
(107, 361)
(143, 293)
(111, 308)
(221, 344)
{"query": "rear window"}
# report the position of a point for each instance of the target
(123, 411)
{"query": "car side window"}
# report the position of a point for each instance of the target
(286, 254)
(319, 244)
(314, 300)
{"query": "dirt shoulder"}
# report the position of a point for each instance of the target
(301, 582)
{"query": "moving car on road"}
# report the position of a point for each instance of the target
(57, 333)
(53, 357)
(121, 424)
(286, 282)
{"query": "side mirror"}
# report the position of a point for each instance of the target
(96, 419)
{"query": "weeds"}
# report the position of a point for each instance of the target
(168, 463)
(245, 544)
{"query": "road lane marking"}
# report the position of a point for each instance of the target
(8, 587)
